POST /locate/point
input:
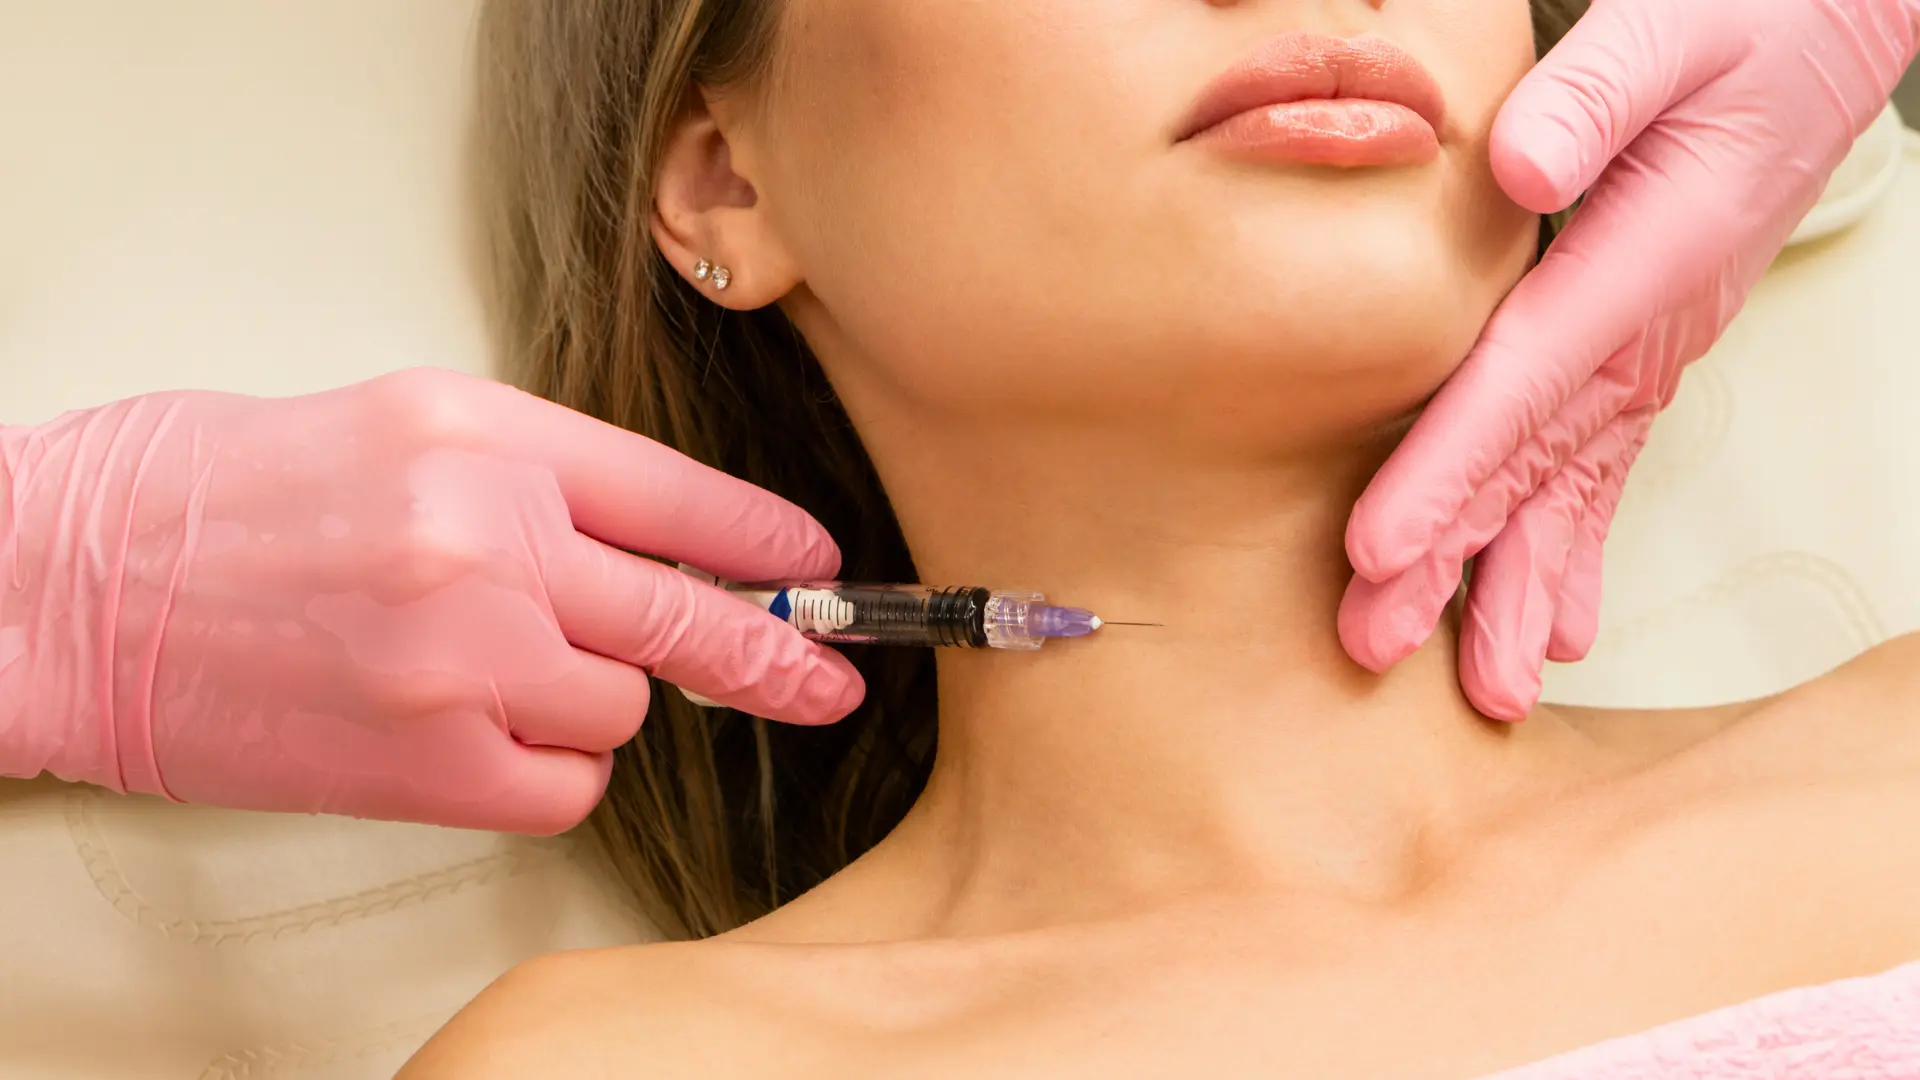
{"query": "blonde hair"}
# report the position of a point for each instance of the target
(712, 818)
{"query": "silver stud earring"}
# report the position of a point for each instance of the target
(720, 276)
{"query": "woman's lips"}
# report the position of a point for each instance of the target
(1344, 132)
(1315, 100)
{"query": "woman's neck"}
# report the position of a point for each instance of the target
(1234, 746)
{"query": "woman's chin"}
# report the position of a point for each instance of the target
(1317, 393)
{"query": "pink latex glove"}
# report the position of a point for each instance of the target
(1705, 130)
(404, 600)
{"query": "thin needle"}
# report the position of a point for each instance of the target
(1099, 622)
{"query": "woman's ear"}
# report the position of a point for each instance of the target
(709, 221)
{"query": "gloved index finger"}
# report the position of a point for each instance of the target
(629, 491)
(655, 618)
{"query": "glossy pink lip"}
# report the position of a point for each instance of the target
(1320, 100)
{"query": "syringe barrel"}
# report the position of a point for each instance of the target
(844, 613)
(963, 616)
(966, 616)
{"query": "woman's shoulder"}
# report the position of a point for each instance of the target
(1826, 776)
(1854, 729)
(774, 998)
(1784, 824)
(1833, 759)
(666, 1011)
(1865, 712)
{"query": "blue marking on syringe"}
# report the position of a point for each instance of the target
(782, 608)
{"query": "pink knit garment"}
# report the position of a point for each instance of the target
(1856, 1029)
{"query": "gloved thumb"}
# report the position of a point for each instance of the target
(1611, 76)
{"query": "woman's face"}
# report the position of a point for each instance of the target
(1001, 205)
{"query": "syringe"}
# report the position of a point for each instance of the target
(965, 616)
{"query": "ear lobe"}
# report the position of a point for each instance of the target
(704, 211)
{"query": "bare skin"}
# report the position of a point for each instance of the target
(1714, 856)
(1157, 381)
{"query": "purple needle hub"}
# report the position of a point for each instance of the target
(1048, 621)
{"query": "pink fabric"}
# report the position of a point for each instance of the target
(1857, 1029)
